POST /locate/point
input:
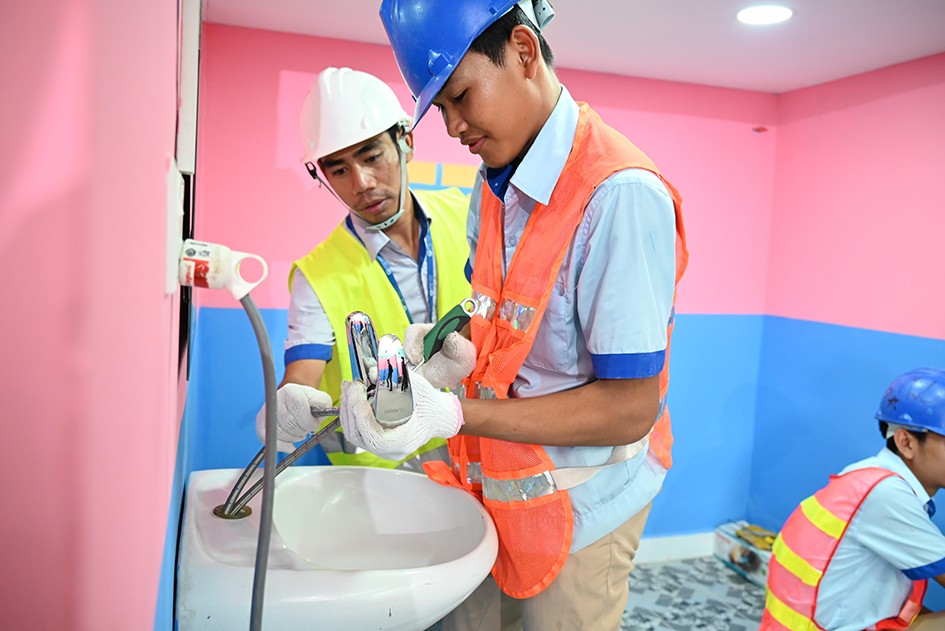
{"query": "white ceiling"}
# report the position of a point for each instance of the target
(693, 41)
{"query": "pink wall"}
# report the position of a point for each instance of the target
(254, 195)
(90, 386)
(703, 139)
(859, 216)
(816, 204)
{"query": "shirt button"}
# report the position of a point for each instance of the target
(511, 242)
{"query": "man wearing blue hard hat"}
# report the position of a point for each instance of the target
(577, 244)
(858, 553)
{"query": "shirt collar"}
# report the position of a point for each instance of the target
(538, 173)
(376, 240)
(889, 460)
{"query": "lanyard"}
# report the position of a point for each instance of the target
(426, 255)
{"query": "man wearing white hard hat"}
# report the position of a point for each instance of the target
(398, 255)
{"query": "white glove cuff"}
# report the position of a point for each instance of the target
(460, 421)
(440, 412)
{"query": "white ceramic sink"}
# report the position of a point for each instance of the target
(352, 548)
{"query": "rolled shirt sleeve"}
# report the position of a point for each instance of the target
(310, 335)
(625, 288)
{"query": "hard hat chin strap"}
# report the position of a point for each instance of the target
(387, 223)
(313, 171)
(892, 427)
(390, 221)
(539, 12)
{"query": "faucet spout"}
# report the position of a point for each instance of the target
(362, 349)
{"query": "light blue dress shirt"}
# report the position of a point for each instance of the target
(890, 542)
(608, 311)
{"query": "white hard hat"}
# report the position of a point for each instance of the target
(345, 107)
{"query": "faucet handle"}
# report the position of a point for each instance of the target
(393, 397)
(362, 349)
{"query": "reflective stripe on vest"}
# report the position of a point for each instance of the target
(546, 482)
(520, 486)
(805, 546)
(345, 279)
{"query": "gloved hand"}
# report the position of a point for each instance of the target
(454, 361)
(294, 407)
(435, 414)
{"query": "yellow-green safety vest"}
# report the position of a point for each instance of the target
(345, 279)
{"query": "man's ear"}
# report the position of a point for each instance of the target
(905, 443)
(526, 49)
(406, 145)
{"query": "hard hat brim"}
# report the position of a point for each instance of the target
(429, 92)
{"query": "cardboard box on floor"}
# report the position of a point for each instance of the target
(745, 548)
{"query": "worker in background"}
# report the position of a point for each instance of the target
(577, 245)
(398, 255)
(858, 553)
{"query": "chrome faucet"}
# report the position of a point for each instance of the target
(365, 353)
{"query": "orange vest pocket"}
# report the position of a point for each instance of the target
(534, 542)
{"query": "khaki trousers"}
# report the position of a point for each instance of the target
(590, 593)
(929, 622)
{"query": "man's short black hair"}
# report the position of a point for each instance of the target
(493, 40)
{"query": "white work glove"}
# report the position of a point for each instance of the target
(450, 365)
(435, 414)
(295, 404)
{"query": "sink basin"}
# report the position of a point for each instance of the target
(352, 548)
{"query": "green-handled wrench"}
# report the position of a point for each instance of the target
(454, 320)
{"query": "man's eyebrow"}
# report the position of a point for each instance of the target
(367, 148)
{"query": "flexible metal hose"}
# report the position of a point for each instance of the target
(269, 464)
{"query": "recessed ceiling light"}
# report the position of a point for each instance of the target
(764, 14)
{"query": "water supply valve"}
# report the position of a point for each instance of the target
(216, 266)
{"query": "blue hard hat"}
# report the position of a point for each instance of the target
(916, 400)
(430, 37)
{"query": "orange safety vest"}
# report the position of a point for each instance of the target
(806, 545)
(532, 513)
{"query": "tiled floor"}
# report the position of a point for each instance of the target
(698, 593)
